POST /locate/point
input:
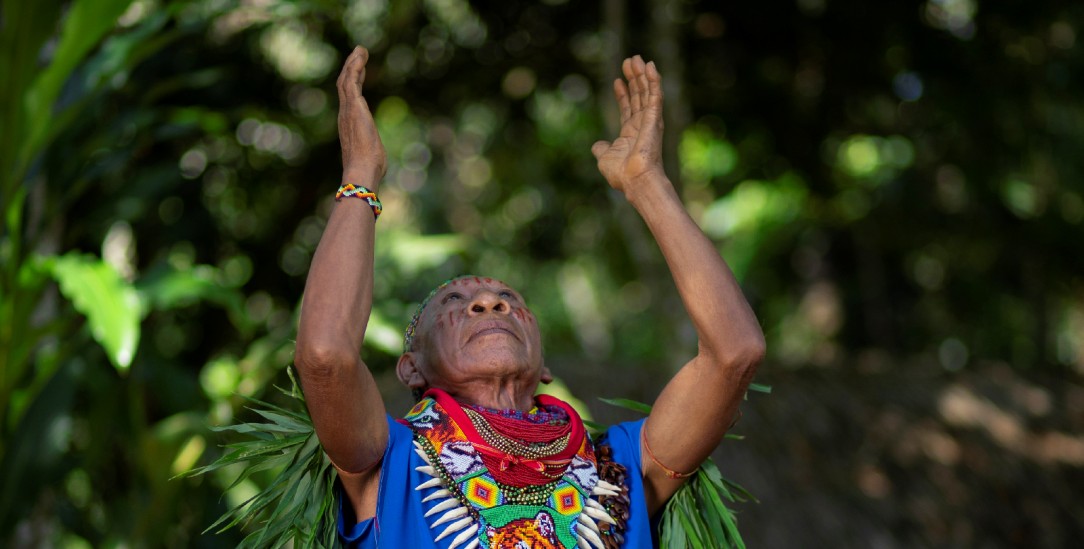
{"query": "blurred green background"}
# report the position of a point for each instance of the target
(896, 184)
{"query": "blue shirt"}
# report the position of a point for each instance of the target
(400, 514)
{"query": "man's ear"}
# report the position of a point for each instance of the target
(408, 371)
(547, 377)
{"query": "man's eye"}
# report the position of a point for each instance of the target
(505, 294)
(452, 296)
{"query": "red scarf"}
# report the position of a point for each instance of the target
(511, 469)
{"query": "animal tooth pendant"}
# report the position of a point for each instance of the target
(586, 533)
(431, 483)
(586, 521)
(451, 503)
(454, 527)
(442, 493)
(598, 490)
(599, 515)
(464, 536)
(450, 515)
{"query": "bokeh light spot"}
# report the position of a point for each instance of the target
(953, 354)
(859, 156)
(297, 54)
(908, 86)
(192, 163)
(575, 87)
(518, 83)
(219, 377)
(1021, 198)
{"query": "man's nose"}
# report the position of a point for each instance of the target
(486, 301)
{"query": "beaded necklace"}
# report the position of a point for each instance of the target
(498, 477)
(541, 414)
(508, 446)
(513, 445)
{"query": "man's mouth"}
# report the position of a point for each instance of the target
(490, 329)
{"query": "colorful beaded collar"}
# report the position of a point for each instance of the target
(481, 510)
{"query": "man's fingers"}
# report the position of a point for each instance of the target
(629, 72)
(654, 79)
(654, 86)
(348, 65)
(636, 83)
(600, 148)
(353, 73)
(621, 92)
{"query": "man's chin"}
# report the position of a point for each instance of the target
(503, 362)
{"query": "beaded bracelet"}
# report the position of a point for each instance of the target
(368, 196)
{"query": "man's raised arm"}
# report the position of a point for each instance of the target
(342, 396)
(695, 409)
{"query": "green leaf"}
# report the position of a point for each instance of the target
(711, 471)
(168, 288)
(111, 304)
(740, 493)
(760, 388)
(35, 449)
(628, 404)
(284, 421)
(266, 448)
(671, 536)
(686, 510)
(84, 26)
(595, 426)
(708, 498)
(258, 430)
(298, 507)
(20, 45)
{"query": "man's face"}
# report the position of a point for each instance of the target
(478, 327)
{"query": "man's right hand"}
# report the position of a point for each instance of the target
(364, 159)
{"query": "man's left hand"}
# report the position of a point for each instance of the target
(637, 152)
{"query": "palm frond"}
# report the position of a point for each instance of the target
(697, 516)
(298, 506)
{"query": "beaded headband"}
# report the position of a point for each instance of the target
(408, 336)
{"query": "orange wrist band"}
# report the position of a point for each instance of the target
(669, 472)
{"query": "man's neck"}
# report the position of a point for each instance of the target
(498, 395)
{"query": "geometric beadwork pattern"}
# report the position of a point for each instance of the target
(482, 492)
(567, 500)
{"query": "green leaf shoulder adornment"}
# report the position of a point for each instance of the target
(299, 505)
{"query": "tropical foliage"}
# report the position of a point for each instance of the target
(299, 505)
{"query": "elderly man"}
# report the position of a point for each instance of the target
(481, 461)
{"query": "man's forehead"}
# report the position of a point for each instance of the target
(469, 283)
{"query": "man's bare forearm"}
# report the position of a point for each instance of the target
(726, 326)
(694, 410)
(339, 289)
